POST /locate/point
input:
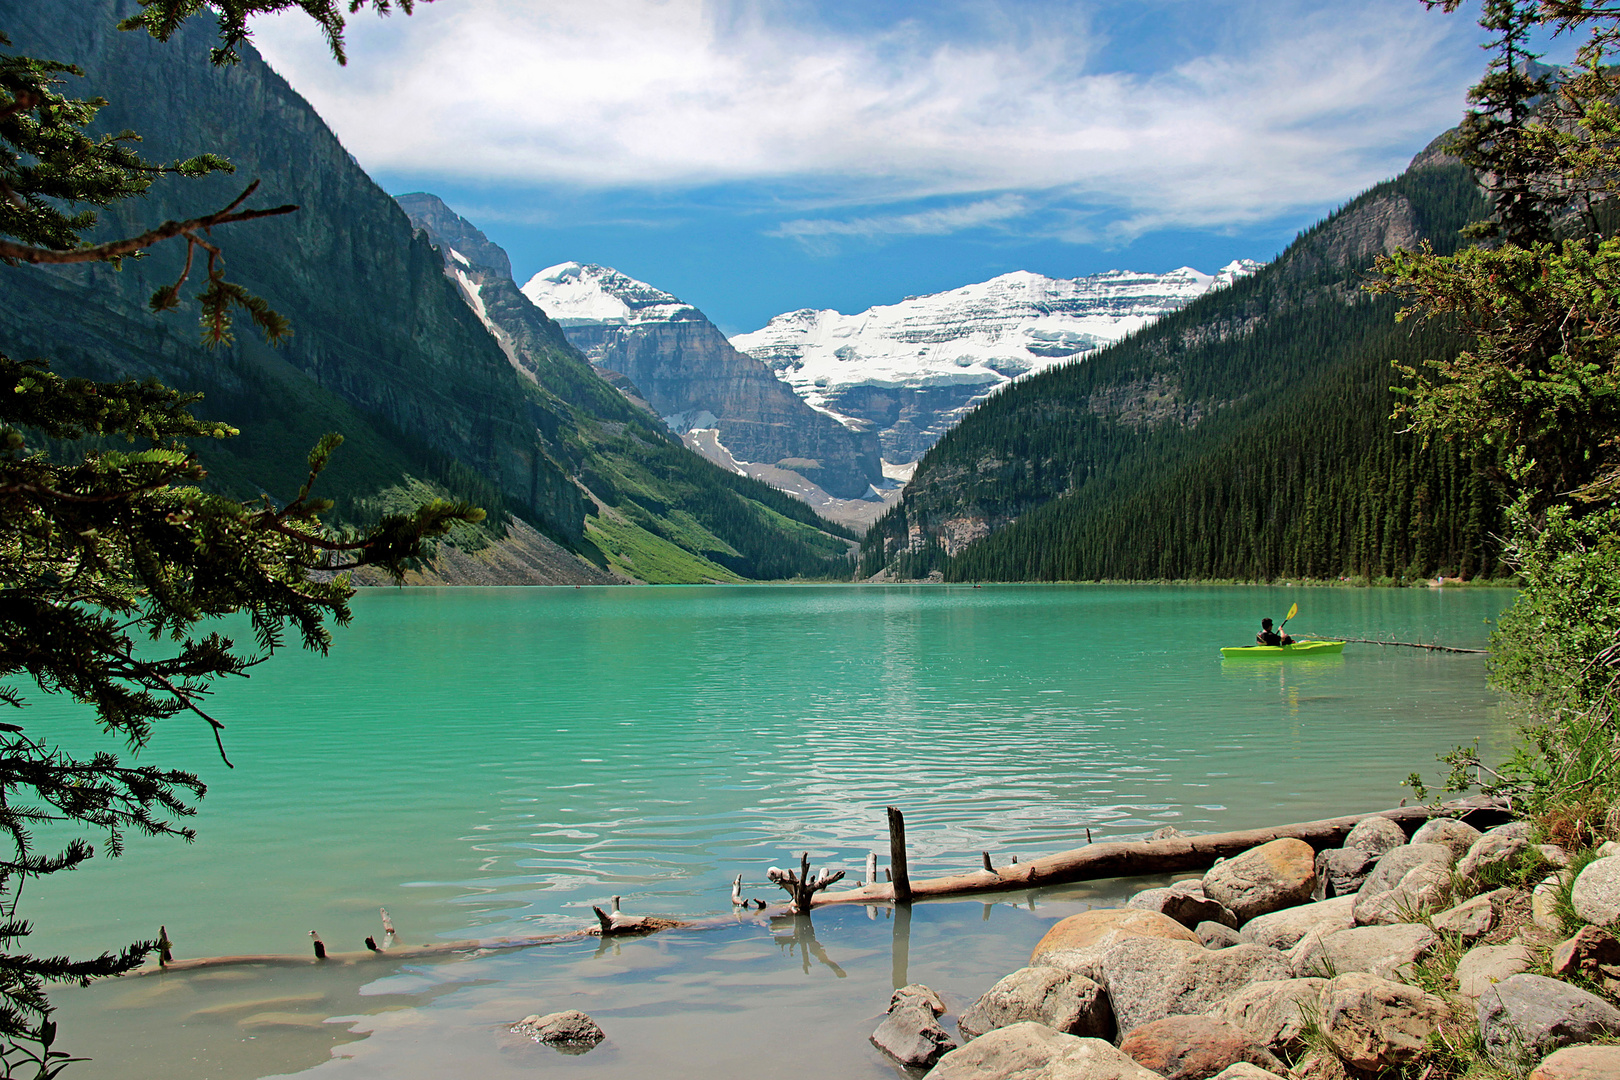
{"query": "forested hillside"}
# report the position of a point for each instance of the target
(383, 348)
(1246, 436)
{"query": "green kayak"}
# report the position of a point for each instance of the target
(1282, 652)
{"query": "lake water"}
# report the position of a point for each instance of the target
(494, 761)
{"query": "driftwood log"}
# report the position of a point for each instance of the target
(1104, 860)
(1139, 858)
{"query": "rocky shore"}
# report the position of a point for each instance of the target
(1451, 952)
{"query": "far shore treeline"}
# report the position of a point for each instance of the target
(1246, 437)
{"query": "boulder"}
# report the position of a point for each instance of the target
(1495, 848)
(1555, 855)
(1184, 902)
(1215, 935)
(1593, 954)
(1149, 979)
(917, 994)
(1385, 951)
(1486, 965)
(1596, 895)
(912, 1036)
(1194, 1048)
(1396, 863)
(1395, 888)
(570, 1027)
(1061, 1000)
(1375, 1024)
(1031, 1051)
(1544, 904)
(1263, 879)
(1376, 835)
(1579, 1063)
(1526, 1017)
(1340, 871)
(1078, 942)
(1275, 1013)
(1284, 929)
(1242, 1070)
(1472, 918)
(1521, 829)
(1454, 834)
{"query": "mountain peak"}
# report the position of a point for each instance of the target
(462, 240)
(575, 293)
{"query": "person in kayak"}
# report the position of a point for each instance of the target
(1268, 636)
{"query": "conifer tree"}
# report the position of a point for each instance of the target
(111, 556)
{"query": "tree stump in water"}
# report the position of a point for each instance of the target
(800, 887)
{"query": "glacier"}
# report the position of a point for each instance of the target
(913, 368)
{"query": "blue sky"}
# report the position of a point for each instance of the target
(758, 156)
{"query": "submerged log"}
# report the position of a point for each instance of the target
(1139, 858)
(1411, 645)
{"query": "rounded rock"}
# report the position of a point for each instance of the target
(1029, 1050)
(1375, 836)
(1525, 1017)
(1078, 942)
(1596, 895)
(1579, 1063)
(1264, 879)
(1062, 1000)
(1495, 848)
(567, 1026)
(1485, 965)
(1194, 1048)
(917, 994)
(1456, 835)
(1274, 1012)
(1284, 929)
(1376, 1024)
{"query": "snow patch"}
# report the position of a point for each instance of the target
(990, 333)
(573, 293)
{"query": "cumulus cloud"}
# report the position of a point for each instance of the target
(1299, 105)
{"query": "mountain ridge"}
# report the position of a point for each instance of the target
(1245, 436)
(912, 369)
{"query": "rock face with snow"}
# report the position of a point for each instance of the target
(727, 406)
(912, 369)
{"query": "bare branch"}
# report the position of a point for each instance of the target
(114, 249)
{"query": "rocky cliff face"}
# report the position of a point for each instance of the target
(685, 368)
(376, 325)
(912, 369)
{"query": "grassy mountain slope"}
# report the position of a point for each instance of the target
(384, 347)
(1246, 436)
(659, 512)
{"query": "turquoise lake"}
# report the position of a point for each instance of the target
(491, 762)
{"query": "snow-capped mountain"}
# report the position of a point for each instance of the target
(912, 368)
(725, 405)
(580, 294)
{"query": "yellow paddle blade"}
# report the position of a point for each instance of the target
(1291, 613)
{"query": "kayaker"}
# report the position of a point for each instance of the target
(1268, 636)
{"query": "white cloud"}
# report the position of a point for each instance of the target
(1304, 105)
(821, 233)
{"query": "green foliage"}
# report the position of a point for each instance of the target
(112, 557)
(49, 164)
(1539, 386)
(1555, 646)
(1540, 381)
(161, 18)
